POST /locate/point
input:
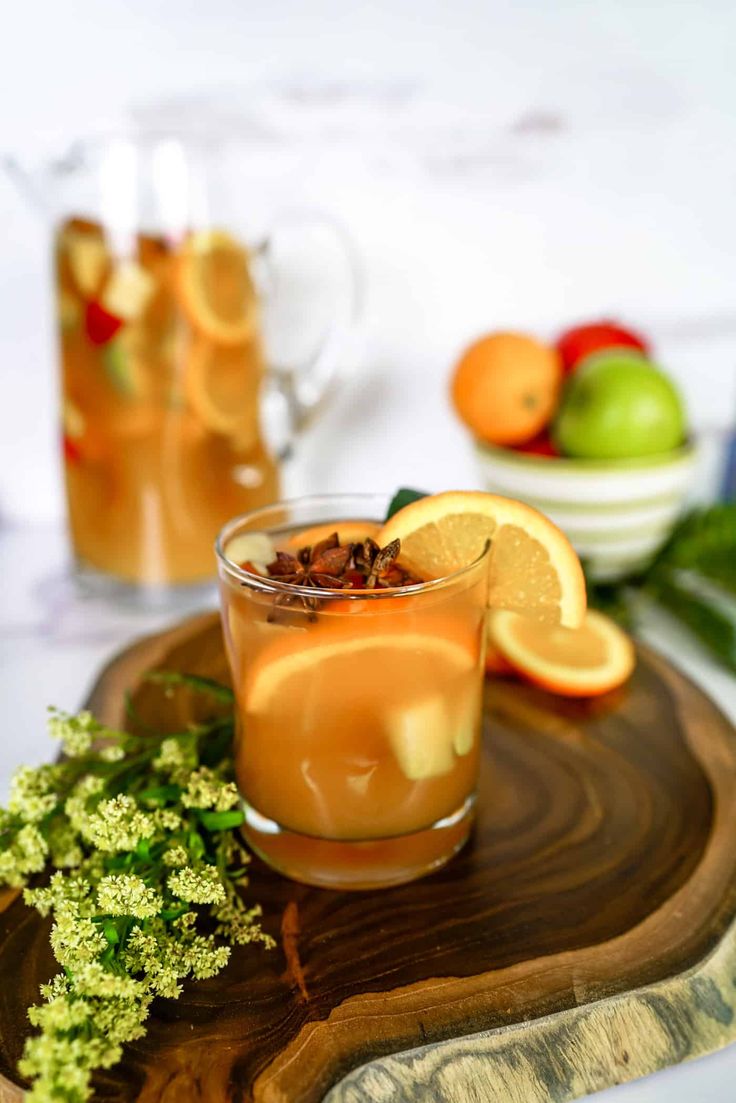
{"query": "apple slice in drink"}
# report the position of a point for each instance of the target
(421, 739)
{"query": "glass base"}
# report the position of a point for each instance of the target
(159, 597)
(377, 863)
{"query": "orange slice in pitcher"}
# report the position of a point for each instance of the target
(221, 385)
(534, 569)
(573, 662)
(215, 287)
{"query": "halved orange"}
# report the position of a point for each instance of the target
(534, 569)
(348, 532)
(221, 384)
(577, 662)
(215, 287)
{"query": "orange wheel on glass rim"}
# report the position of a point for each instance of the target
(533, 567)
(580, 662)
(215, 287)
(221, 385)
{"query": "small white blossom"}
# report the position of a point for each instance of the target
(166, 819)
(206, 790)
(175, 856)
(117, 824)
(240, 924)
(75, 941)
(26, 854)
(112, 753)
(31, 793)
(127, 894)
(81, 797)
(170, 757)
(76, 733)
(202, 886)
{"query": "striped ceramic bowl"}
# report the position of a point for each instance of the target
(617, 513)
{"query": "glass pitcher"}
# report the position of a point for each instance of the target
(170, 321)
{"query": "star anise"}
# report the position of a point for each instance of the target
(322, 566)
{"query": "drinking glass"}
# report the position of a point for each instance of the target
(359, 712)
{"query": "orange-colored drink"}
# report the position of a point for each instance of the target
(359, 711)
(161, 374)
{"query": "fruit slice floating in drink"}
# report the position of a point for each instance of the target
(216, 289)
(221, 383)
(82, 249)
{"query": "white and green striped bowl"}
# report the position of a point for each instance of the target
(617, 513)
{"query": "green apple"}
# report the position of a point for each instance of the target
(618, 404)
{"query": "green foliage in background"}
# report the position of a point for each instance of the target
(693, 578)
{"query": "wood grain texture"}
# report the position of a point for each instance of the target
(583, 937)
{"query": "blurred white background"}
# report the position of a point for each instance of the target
(497, 165)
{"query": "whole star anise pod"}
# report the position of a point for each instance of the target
(322, 566)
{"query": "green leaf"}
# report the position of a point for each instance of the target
(160, 794)
(195, 844)
(207, 686)
(222, 821)
(715, 629)
(110, 932)
(404, 497)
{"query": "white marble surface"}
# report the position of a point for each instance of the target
(497, 166)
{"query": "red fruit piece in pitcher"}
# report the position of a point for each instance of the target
(100, 326)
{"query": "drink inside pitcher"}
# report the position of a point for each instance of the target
(162, 367)
(359, 709)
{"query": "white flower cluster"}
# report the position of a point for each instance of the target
(130, 872)
(26, 855)
(117, 824)
(207, 790)
(128, 894)
(200, 886)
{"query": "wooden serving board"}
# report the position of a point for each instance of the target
(584, 937)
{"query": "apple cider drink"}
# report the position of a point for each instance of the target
(161, 372)
(359, 695)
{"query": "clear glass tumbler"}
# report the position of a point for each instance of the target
(359, 712)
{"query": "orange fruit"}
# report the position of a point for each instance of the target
(215, 286)
(348, 532)
(505, 387)
(581, 662)
(533, 567)
(221, 384)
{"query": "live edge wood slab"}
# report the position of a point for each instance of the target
(586, 936)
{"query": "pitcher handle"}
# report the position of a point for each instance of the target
(303, 387)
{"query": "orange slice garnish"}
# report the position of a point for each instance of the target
(221, 385)
(573, 662)
(215, 287)
(533, 567)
